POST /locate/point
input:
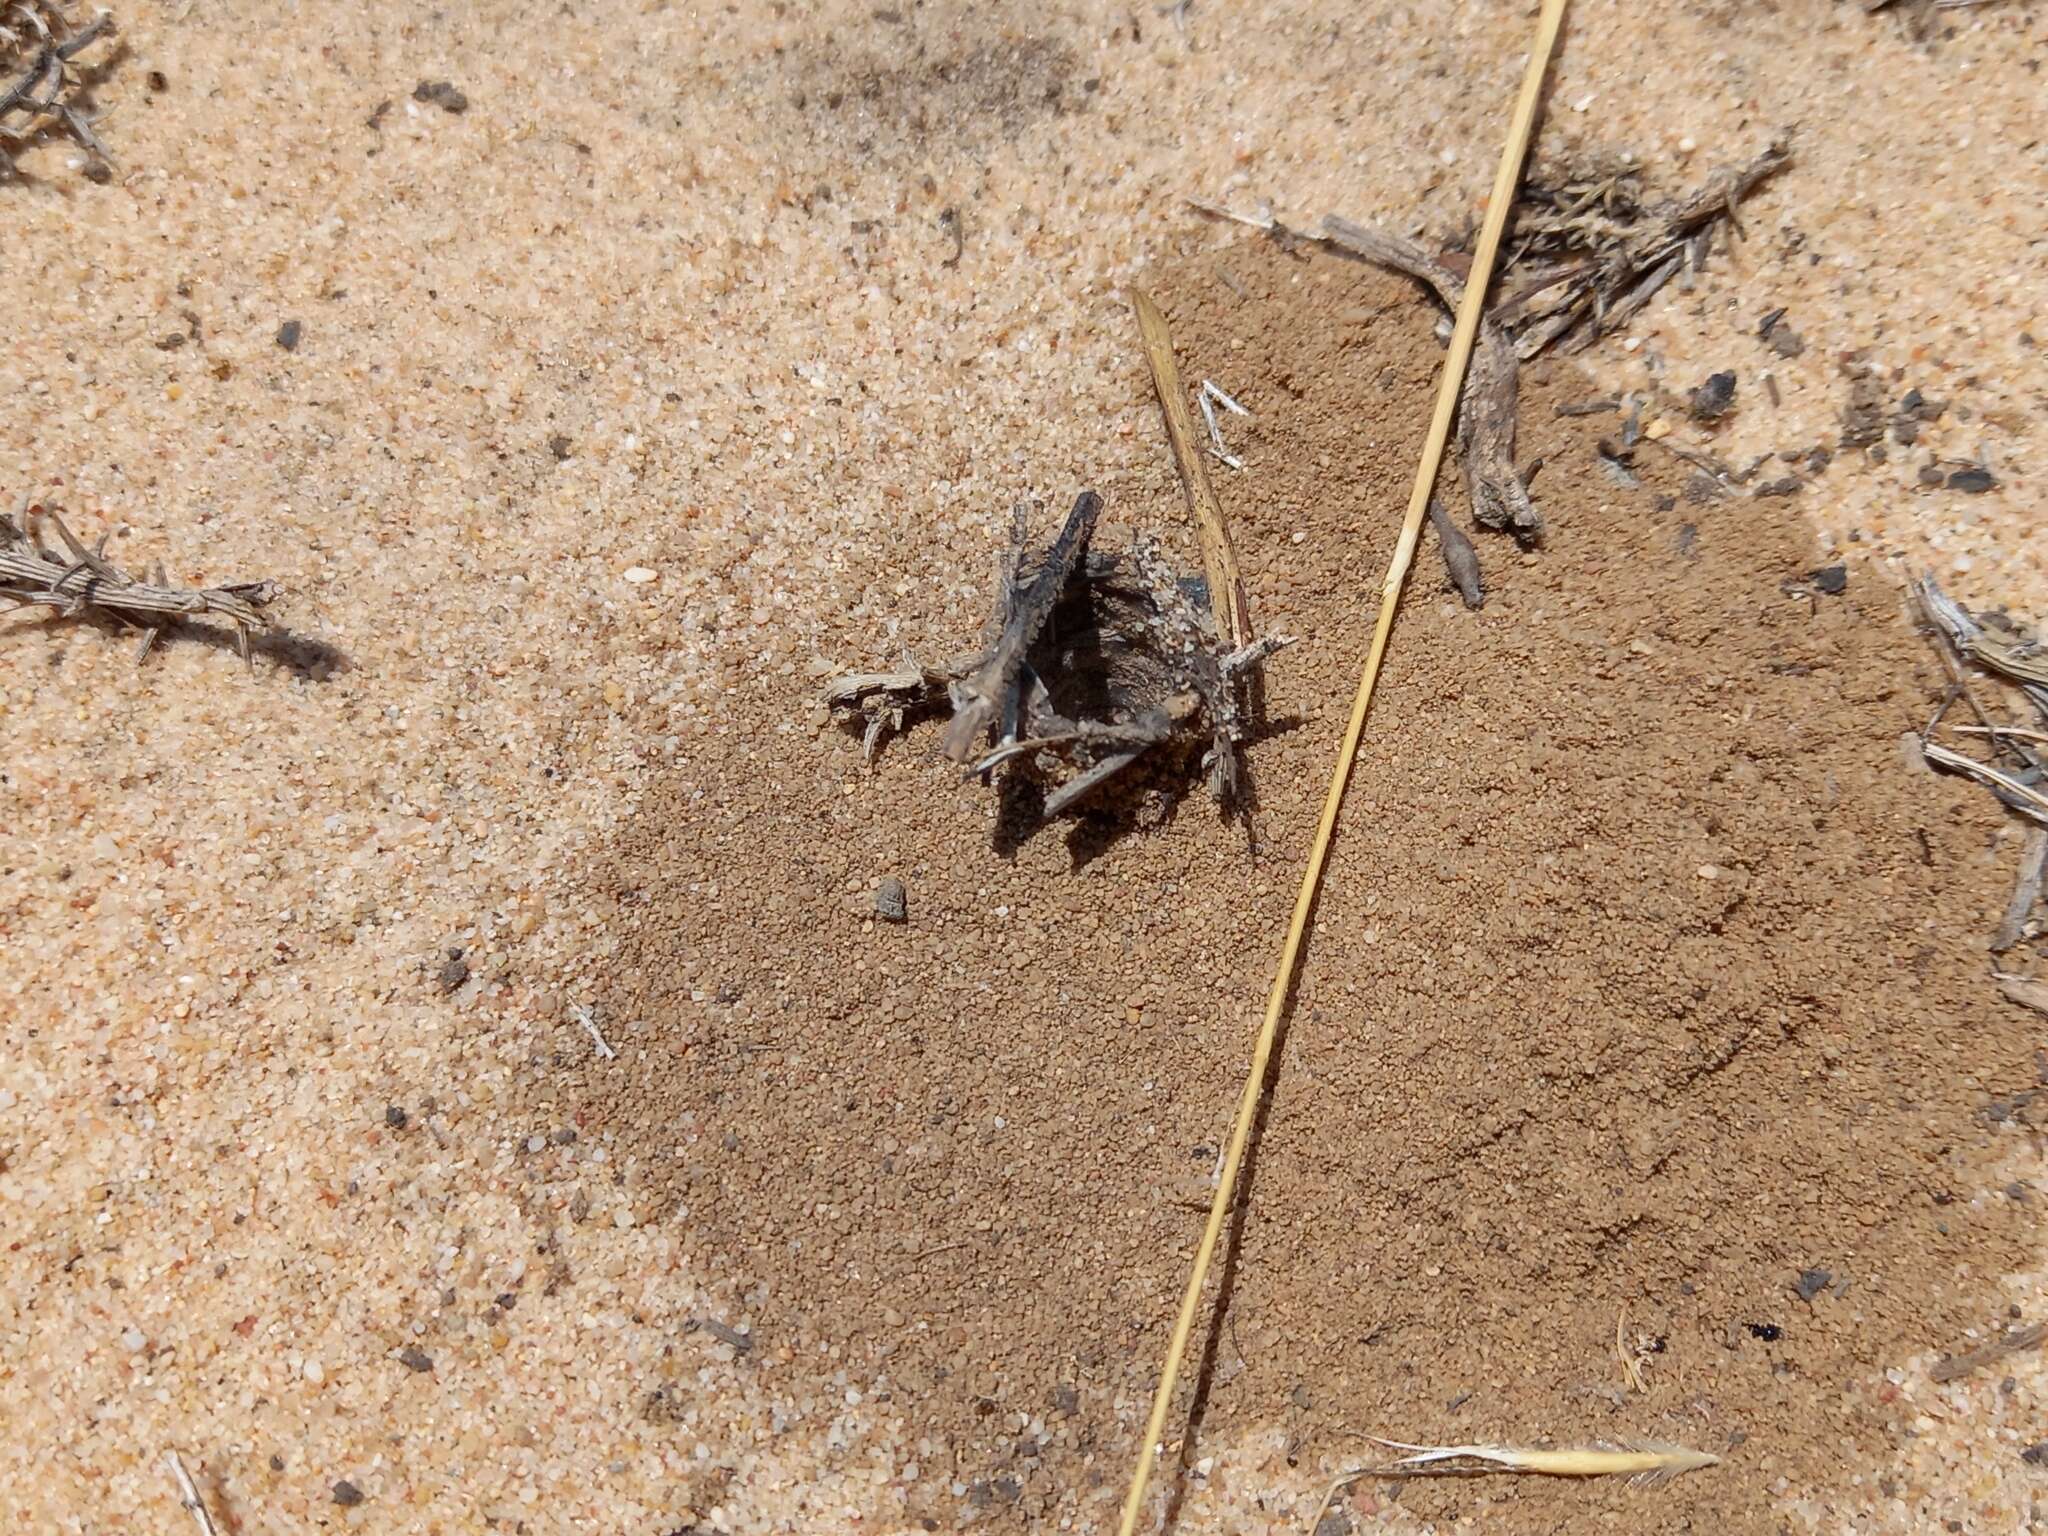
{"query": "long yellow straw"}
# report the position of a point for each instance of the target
(1390, 596)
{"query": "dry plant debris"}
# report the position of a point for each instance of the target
(83, 581)
(1591, 248)
(1644, 1463)
(40, 43)
(1588, 250)
(1093, 660)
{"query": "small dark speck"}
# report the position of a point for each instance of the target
(442, 94)
(454, 971)
(1714, 398)
(347, 1494)
(2017, 1191)
(276, 1462)
(2036, 1455)
(1688, 537)
(507, 1300)
(1831, 579)
(560, 446)
(170, 343)
(156, 82)
(1770, 1333)
(415, 1359)
(1790, 485)
(1973, 481)
(396, 1118)
(564, 1137)
(288, 335)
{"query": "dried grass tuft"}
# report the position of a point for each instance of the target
(41, 85)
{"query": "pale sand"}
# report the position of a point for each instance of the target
(224, 898)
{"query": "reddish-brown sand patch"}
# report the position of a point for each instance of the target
(1645, 977)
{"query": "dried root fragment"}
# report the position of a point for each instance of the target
(1094, 662)
(82, 581)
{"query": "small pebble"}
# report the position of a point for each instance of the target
(639, 575)
(1811, 1283)
(1973, 481)
(314, 1372)
(415, 1359)
(1831, 579)
(288, 335)
(892, 901)
(442, 94)
(1714, 398)
(347, 1494)
(395, 1117)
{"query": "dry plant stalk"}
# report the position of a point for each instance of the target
(1092, 662)
(1219, 555)
(1644, 1463)
(83, 581)
(39, 42)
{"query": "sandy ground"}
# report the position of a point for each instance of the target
(289, 1186)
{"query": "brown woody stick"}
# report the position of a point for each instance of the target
(1219, 556)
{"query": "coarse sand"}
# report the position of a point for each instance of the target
(449, 1077)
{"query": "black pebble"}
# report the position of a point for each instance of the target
(1715, 398)
(1833, 580)
(288, 335)
(395, 1117)
(1974, 481)
(415, 1359)
(442, 94)
(1770, 1333)
(347, 1494)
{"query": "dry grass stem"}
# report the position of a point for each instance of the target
(188, 1494)
(1219, 555)
(39, 44)
(2019, 796)
(81, 580)
(2024, 990)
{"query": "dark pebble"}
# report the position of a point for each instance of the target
(1770, 1333)
(415, 1359)
(442, 94)
(566, 1136)
(507, 1300)
(892, 901)
(1812, 1282)
(2036, 1455)
(1790, 485)
(560, 447)
(1974, 481)
(1833, 580)
(156, 81)
(288, 335)
(1714, 398)
(395, 1117)
(1929, 475)
(454, 973)
(347, 1494)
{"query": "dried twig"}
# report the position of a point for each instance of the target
(81, 580)
(38, 43)
(1486, 408)
(1956, 1367)
(188, 1494)
(1645, 1463)
(2026, 892)
(1219, 555)
(1460, 558)
(2024, 798)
